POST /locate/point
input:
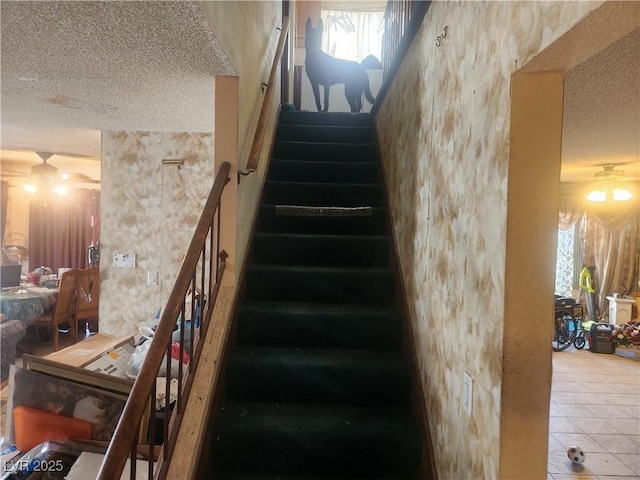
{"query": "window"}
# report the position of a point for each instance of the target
(352, 35)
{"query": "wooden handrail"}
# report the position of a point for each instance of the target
(125, 437)
(256, 146)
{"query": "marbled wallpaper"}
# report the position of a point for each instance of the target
(247, 31)
(151, 210)
(444, 132)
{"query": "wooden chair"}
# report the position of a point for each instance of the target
(63, 310)
(88, 295)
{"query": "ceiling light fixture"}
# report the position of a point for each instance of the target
(609, 188)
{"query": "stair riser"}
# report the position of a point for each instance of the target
(319, 194)
(309, 285)
(328, 133)
(353, 448)
(295, 376)
(313, 152)
(323, 172)
(313, 329)
(366, 225)
(325, 118)
(327, 250)
(265, 452)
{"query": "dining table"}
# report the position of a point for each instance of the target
(26, 302)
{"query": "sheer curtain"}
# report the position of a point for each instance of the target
(61, 230)
(352, 35)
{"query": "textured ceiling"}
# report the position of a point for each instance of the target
(602, 111)
(71, 69)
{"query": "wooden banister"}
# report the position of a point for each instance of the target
(402, 19)
(256, 146)
(202, 254)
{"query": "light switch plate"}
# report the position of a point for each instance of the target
(126, 260)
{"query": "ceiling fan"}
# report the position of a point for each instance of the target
(46, 173)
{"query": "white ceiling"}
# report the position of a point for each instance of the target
(72, 69)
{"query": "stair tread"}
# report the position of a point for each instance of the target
(336, 133)
(297, 476)
(322, 171)
(334, 441)
(300, 117)
(294, 183)
(320, 326)
(313, 144)
(317, 384)
(319, 268)
(318, 413)
(322, 354)
(328, 236)
(304, 307)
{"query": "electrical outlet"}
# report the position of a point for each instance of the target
(126, 260)
(467, 394)
(152, 278)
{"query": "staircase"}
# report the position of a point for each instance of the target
(316, 384)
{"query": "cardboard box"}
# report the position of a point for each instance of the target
(69, 363)
(114, 362)
(86, 351)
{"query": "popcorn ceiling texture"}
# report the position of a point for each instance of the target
(103, 65)
(444, 137)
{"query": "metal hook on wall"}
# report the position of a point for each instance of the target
(441, 37)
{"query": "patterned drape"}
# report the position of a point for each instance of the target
(613, 250)
(610, 241)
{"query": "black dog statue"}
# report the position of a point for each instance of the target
(323, 69)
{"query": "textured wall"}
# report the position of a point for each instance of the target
(247, 33)
(445, 138)
(150, 210)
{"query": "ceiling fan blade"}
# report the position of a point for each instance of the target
(50, 154)
(79, 177)
(12, 173)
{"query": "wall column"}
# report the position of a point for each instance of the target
(532, 235)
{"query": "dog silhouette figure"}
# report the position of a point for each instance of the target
(323, 69)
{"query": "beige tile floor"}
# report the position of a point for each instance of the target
(595, 404)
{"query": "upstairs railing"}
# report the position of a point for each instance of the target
(256, 146)
(402, 19)
(190, 306)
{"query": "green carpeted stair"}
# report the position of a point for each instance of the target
(316, 384)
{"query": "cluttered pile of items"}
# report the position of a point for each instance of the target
(64, 407)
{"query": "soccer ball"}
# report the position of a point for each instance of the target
(576, 454)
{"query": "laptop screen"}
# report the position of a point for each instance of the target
(10, 275)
